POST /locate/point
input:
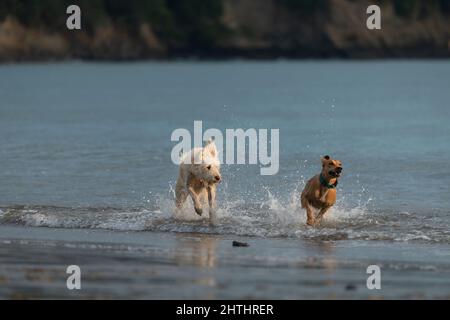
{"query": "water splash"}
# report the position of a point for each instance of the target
(271, 216)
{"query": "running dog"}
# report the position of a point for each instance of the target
(320, 191)
(198, 177)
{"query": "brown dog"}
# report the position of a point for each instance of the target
(320, 191)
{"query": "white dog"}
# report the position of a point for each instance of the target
(198, 177)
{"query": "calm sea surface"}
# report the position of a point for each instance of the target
(96, 137)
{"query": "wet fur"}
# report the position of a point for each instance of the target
(198, 179)
(315, 196)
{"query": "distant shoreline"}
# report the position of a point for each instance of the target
(211, 59)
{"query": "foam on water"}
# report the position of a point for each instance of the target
(270, 217)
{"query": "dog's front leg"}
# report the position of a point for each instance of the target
(212, 204)
(197, 204)
(321, 213)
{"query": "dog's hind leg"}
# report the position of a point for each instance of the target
(212, 204)
(180, 190)
(180, 197)
(310, 219)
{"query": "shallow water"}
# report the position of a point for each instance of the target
(87, 146)
(154, 265)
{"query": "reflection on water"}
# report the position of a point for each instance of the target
(324, 247)
(199, 251)
(196, 250)
(327, 261)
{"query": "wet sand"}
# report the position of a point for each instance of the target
(150, 265)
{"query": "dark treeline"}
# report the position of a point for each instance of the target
(198, 26)
(174, 21)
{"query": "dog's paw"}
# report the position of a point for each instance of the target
(311, 222)
(318, 221)
(199, 211)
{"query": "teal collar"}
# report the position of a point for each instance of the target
(324, 183)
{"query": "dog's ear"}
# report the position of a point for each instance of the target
(325, 159)
(210, 140)
(211, 148)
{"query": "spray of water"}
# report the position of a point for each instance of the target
(264, 215)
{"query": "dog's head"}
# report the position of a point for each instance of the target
(208, 169)
(331, 168)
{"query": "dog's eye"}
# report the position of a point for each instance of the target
(331, 164)
(208, 167)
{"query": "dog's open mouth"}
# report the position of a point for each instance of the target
(334, 174)
(215, 181)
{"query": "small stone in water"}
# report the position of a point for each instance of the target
(240, 244)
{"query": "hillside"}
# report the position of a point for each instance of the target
(164, 29)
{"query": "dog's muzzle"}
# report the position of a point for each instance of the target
(336, 172)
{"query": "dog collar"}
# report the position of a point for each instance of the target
(324, 183)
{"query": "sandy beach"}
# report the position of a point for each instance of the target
(150, 265)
